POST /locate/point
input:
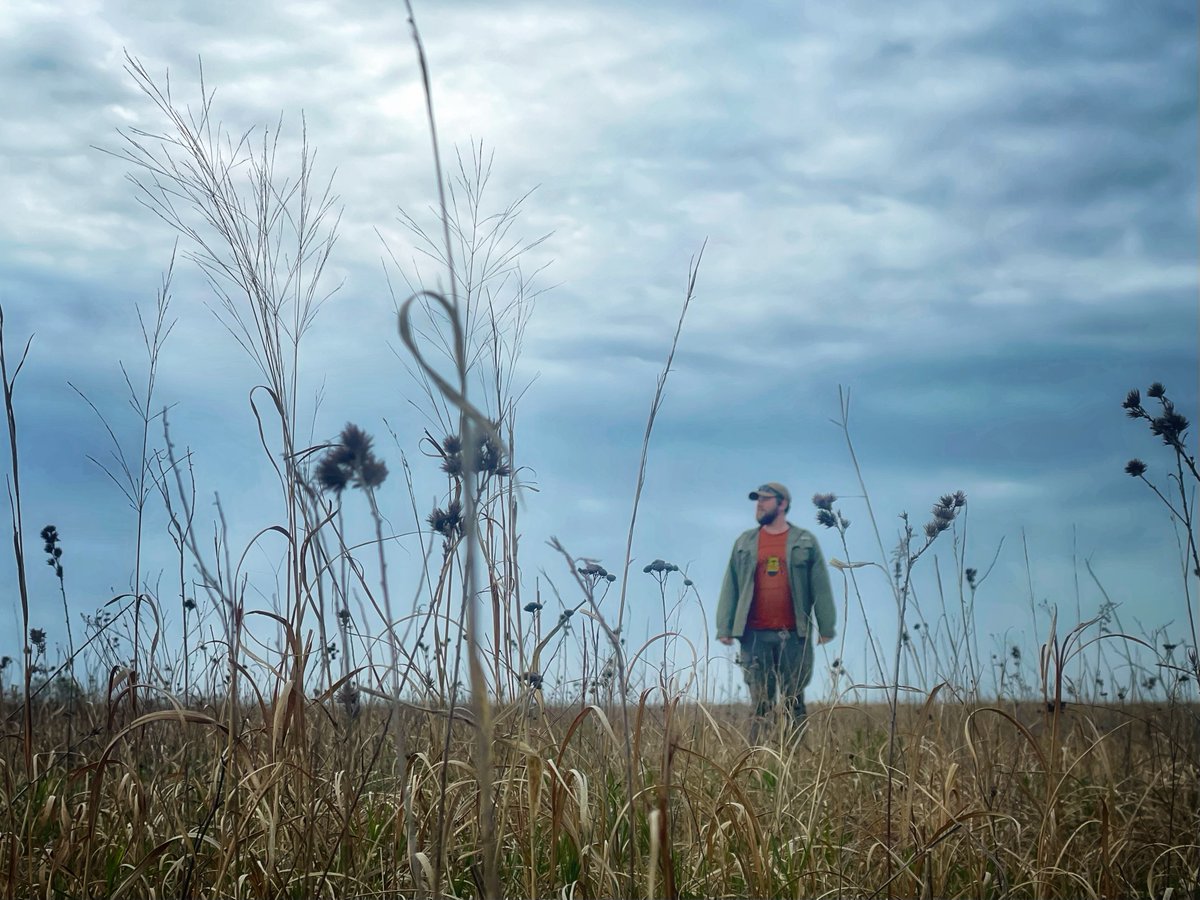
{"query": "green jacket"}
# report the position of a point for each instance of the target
(811, 591)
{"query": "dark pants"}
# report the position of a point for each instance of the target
(778, 665)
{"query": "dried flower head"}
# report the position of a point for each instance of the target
(350, 462)
(331, 476)
(824, 501)
(1135, 467)
(488, 459)
(593, 570)
(1156, 390)
(1170, 426)
(372, 473)
(826, 517)
(53, 551)
(944, 512)
(447, 522)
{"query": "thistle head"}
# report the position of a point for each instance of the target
(1136, 468)
(350, 462)
(447, 522)
(824, 501)
(944, 513)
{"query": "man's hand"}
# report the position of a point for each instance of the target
(725, 640)
(821, 639)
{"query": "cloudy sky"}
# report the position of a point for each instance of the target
(978, 221)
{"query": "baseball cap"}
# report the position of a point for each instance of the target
(772, 487)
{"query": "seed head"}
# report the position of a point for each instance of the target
(1156, 390)
(330, 475)
(824, 501)
(53, 551)
(356, 441)
(350, 462)
(447, 522)
(371, 473)
(1133, 400)
(1136, 468)
(1170, 426)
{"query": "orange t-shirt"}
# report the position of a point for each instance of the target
(772, 605)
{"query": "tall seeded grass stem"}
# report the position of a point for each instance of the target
(655, 406)
(18, 532)
(471, 424)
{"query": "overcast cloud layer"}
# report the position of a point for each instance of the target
(979, 221)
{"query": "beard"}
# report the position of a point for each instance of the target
(768, 517)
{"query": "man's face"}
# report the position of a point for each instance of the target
(767, 508)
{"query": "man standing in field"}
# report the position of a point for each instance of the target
(775, 584)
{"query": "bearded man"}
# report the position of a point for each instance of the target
(775, 591)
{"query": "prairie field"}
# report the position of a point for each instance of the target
(287, 795)
(298, 715)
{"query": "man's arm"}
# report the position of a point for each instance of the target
(727, 603)
(822, 597)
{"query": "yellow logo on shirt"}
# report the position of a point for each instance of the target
(773, 565)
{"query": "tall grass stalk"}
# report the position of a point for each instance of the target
(13, 483)
(471, 424)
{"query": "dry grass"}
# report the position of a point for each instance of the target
(312, 803)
